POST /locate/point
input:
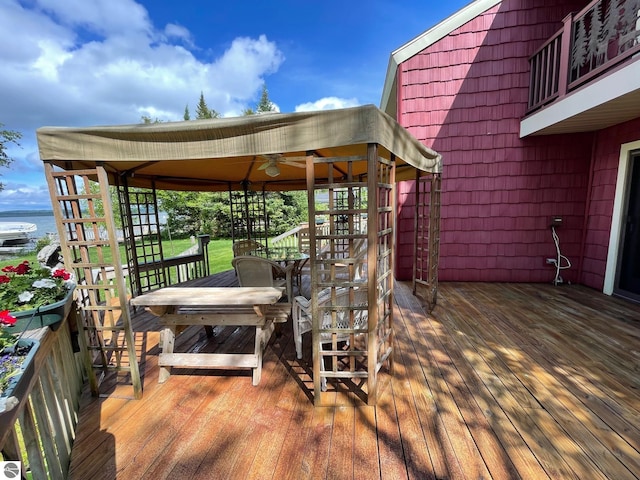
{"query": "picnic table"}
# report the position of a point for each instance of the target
(211, 306)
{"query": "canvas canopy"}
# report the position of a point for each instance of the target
(230, 153)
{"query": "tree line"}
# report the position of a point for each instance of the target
(191, 213)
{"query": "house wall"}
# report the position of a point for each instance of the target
(464, 96)
(602, 193)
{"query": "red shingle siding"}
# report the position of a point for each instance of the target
(464, 96)
(605, 171)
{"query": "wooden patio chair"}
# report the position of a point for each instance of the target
(342, 269)
(303, 321)
(255, 271)
(247, 247)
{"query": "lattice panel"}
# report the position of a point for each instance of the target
(89, 246)
(427, 239)
(352, 259)
(142, 238)
(385, 219)
(248, 216)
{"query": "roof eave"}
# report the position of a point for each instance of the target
(419, 43)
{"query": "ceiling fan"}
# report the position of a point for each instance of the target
(272, 162)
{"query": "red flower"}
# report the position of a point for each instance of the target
(9, 269)
(61, 273)
(6, 319)
(5, 279)
(23, 268)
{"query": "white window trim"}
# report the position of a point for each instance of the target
(617, 223)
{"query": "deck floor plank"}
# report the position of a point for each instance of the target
(408, 364)
(530, 420)
(392, 464)
(500, 381)
(523, 358)
(365, 454)
(447, 382)
(586, 426)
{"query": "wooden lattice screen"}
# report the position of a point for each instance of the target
(143, 243)
(427, 239)
(89, 246)
(249, 215)
(354, 255)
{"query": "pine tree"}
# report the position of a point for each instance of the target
(265, 105)
(202, 110)
(186, 115)
(146, 119)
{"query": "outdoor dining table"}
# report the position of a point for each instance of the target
(287, 256)
(212, 306)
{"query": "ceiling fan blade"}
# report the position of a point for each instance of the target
(278, 159)
(268, 160)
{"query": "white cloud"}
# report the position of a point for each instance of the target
(16, 196)
(327, 103)
(171, 30)
(239, 72)
(81, 63)
(121, 64)
(103, 17)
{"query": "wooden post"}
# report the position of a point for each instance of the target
(565, 55)
(372, 273)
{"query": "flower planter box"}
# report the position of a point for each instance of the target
(19, 386)
(46, 316)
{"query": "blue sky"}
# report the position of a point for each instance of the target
(102, 62)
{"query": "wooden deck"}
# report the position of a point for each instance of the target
(501, 381)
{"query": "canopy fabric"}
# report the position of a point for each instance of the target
(228, 153)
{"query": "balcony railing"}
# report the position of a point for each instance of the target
(603, 35)
(39, 431)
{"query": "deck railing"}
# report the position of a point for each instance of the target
(188, 265)
(297, 237)
(40, 430)
(601, 36)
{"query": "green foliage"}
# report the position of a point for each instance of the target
(285, 211)
(265, 104)
(6, 137)
(147, 120)
(187, 212)
(24, 286)
(42, 242)
(203, 111)
(187, 115)
(191, 213)
(7, 367)
(94, 188)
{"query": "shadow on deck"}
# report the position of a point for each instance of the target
(501, 381)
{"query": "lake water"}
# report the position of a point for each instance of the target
(45, 223)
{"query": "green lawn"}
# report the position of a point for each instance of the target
(220, 254)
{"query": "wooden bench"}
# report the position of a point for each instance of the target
(212, 306)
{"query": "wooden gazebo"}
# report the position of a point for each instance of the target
(356, 155)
